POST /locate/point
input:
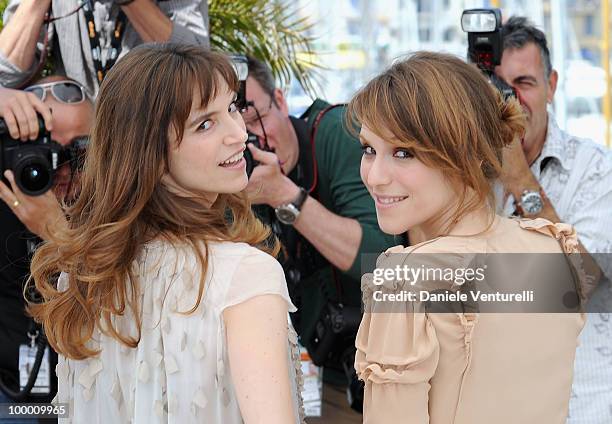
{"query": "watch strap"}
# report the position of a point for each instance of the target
(300, 199)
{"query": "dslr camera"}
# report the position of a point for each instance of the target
(251, 163)
(241, 66)
(333, 342)
(33, 163)
(485, 46)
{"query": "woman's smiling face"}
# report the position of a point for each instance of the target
(209, 158)
(407, 193)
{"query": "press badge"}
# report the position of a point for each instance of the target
(27, 356)
(313, 385)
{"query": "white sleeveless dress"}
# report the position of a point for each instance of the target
(179, 372)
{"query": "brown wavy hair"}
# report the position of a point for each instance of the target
(448, 115)
(145, 99)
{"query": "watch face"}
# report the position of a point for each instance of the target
(287, 214)
(532, 202)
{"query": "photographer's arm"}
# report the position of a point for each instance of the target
(20, 34)
(337, 238)
(187, 24)
(150, 22)
(517, 177)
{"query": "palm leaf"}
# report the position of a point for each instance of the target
(270, 31)
(3, 4)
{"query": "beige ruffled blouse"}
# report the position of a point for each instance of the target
(471, 368)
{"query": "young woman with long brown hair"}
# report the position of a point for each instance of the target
(169, 307)
(433, 130)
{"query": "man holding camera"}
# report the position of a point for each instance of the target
(67, 113)
(553, 175)
(87, 37)
(315, 200)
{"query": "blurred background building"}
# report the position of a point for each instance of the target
(355, 39)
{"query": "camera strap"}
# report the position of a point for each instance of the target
(313, 134)
(34, 367)
(94, 40)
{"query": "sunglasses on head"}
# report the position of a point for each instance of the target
(68, 92)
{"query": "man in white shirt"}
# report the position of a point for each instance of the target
(553, 175)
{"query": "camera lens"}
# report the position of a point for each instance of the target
(33, 174)
(34, 177)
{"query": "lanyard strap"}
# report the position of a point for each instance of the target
(313, 136)
(94, 41)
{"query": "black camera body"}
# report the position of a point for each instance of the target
(241, 66)
(336, 328)
(334, 341)
(485, 44)
(251, 163)
(33, 163)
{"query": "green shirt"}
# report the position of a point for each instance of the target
(339, 188)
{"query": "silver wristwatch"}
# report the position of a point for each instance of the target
(288, 213)
(531, 203)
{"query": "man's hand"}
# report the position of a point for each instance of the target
(18, 108)
(268, 185)
(38, 213)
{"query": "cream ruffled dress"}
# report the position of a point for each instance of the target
(179, 372)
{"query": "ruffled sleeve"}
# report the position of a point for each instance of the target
(397, 354)
(567, 238)
(257, 274)
(564, 233)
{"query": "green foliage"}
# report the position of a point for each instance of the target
(3, 4)
(270, 31)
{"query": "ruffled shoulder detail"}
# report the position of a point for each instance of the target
(395, 249)
(567, 237)
(564, 233)
(397, 348)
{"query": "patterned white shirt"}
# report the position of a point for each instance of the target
(576, 175)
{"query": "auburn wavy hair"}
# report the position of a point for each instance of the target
(448, 115)
(144, 101)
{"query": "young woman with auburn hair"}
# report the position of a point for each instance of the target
(169, 307)
(433, 130)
